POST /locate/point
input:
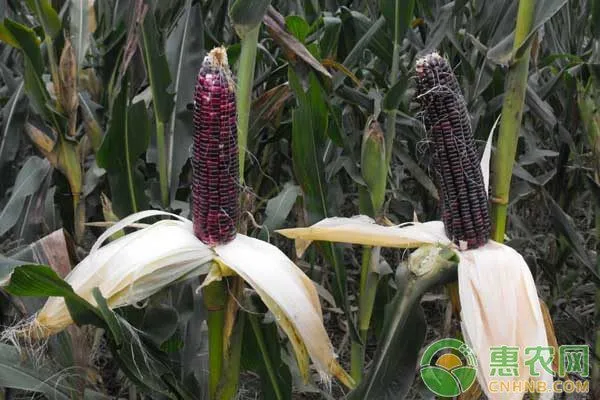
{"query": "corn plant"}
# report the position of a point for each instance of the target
(155, 157)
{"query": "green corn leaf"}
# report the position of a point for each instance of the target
(309, 140)
(29, 180)
(16, 374)
(184, 52)
(157, 68)
(279, 207)
(22, 279)
(332, 26)
(504, 51)
(368, 34)
(46, 15)
(28, 42)
(398, 15)
(261, 353)
(564, 224)
(595, 20)
(297, 27)
(127, 138)
(13, 121)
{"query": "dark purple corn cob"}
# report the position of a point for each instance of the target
(215, 186)
(464, 201)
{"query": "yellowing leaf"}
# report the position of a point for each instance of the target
(363, 230)
(290, 295)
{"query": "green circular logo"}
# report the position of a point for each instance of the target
(448, 367)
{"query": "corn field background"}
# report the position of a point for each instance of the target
(96, 101)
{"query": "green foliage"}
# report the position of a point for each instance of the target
(126, 139)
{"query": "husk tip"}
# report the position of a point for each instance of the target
(218, 57)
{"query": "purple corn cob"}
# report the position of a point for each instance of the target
(464, 201)
(215, 186)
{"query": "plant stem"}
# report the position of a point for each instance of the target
(510, 122)
(263, 350)
(231, 373)
(368, 283)
(390, 122)
(357, 360)
(357, 356)
(162, 162)
(233, 342)
(215, 298)
(244, 93)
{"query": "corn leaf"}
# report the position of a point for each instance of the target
(16, 374)
(398, 15)
(261, 353)
(267, 108)
(367, 35)
(42, 281)
(309, 139)
(28, 42)
(279, 207)
(127, 138)
(184, 52)
(13, 120)
(157, 68)
(142, 361)
(29, 180)
(392, 370)
(564, 224)
(46, 15)
(595, 20)
(79, 26)
(502, 53)
(332, 27)
(34, 67)
(363, 230)
(54, 249)
(290, 295)
(292, 47)
(393, 378)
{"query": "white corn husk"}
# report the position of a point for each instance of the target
(500, 306)
(139, 264)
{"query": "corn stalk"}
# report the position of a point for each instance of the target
(510, 122)
(398, 16)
